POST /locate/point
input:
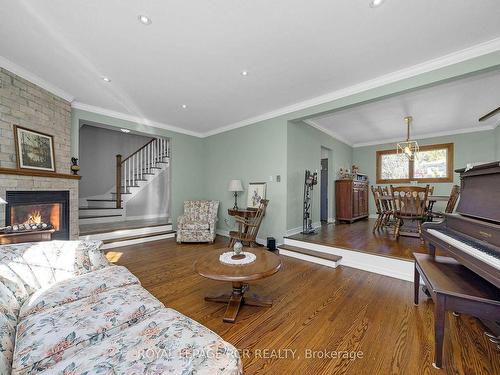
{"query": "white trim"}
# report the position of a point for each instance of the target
(116, 244)
(415, 70)
(145, 217)
(428, 135)
(392, 267)
(122, 233)
(33, 78)
(425, 67)
(131, 118)
(297, 230)
(373, 216)
(309, 258)
(225, 233)
(329, 132)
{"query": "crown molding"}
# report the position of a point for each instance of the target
(333, 134)
(33, 78)
(131, 118)
(415, 70)
(427, 135)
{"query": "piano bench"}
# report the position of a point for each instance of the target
(456, 288)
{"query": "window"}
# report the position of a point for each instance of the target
(433, 163)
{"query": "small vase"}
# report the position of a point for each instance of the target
(237, 248)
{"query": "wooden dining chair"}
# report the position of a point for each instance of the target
(387, 206)
(248, 228)
(450, 205)
(378, 207)
(410, 203)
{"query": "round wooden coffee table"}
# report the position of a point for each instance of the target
(265, 265)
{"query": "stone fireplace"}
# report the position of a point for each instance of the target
(40, 209)
(35, 108)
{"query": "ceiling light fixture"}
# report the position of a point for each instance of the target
(145, 20)
(408, 148)
(376, 3)
(244, 73)
(106, 79)
(184, 106)
(125, 130)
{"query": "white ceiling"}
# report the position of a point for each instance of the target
(448, 108)
(194, 51)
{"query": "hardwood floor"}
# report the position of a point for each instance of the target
(316, 308)
(359, 236)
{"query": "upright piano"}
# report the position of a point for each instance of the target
(472, 235)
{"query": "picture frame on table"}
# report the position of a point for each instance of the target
(256, 192)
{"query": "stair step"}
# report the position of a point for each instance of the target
(101, 200)
(129, 238)
(100, 208)
(317, 254)
(98, 216)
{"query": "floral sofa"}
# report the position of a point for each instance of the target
(65, 310)
(198, 222)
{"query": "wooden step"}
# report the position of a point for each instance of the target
(129, 238)
(312, 253)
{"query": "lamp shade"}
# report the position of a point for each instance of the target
(235, 185)
(3, 201)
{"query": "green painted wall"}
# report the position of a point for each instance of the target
(251, 154)
(304, 152)
(188, 172)
(497, 142)
(468, 148)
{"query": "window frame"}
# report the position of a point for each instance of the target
(411, 166)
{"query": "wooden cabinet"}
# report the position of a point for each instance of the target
(351, 200)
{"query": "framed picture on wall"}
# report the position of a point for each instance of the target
(34, 150)
(256, 192)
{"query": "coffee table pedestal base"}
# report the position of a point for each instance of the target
(236, 299)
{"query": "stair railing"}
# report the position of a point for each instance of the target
(138, 164)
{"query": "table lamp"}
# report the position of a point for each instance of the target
(235, 186)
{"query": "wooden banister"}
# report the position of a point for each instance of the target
(119, 181)
(136, 152)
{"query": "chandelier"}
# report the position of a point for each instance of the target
(408, 148)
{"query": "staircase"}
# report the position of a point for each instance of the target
(133, 173)
(314, 256)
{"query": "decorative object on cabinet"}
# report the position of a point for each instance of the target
(235, 186)
(351, 198)
(34, 150)
(310, 179)
(256, 192)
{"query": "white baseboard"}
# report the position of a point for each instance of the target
(113, 245)
(297, 230)
(373, 216)
(225, 233)
(392, 267)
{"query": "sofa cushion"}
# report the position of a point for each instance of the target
(27, 267)
(50, 336)
(79, 287)
(8, 323)
(195, 225)
(167, 342)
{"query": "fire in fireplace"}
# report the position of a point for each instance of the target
(31, 214)
(38, 210)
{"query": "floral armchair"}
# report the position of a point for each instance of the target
(198, 222)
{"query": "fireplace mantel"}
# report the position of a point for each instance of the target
(35, 173)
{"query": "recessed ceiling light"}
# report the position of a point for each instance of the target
(145, 20)
(244, 73)
(184, 106)
(125, 130)
(106, 79)
(376, 3)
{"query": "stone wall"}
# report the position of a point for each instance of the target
(25, 104)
